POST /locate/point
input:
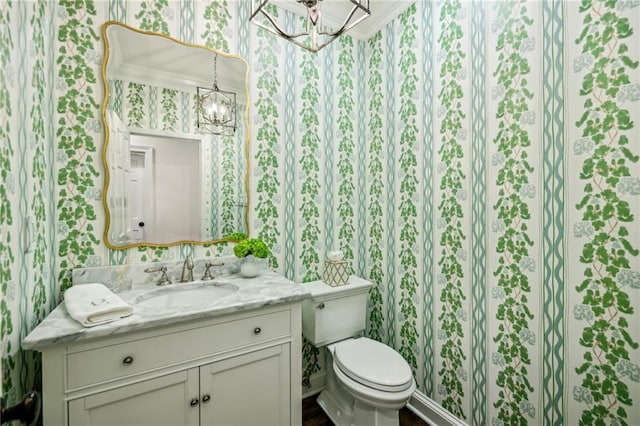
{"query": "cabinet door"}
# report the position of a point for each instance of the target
(251, 389)
(161, 401)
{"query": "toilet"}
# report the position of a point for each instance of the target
(366, 382)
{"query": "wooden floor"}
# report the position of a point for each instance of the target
(312, 415)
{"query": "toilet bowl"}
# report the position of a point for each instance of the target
(373, 372)
(366, 382)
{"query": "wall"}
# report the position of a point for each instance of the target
(27, 182)
(489, 188)
(503, 206)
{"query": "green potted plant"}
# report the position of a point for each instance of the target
(248, 251)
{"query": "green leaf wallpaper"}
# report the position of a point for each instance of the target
(77, 137)
(265, 176)
(346, 149)
(376, 182)
(452, 204)
(514, 339)
(496, 170)
(309, 171)
(606, 228)
(407, 162)
(26, 186)
(8, 164)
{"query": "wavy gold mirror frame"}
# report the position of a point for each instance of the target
(153, 59)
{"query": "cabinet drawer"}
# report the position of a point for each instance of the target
(120, 360)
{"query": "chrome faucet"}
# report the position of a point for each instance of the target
(164, 279)
(187, 270)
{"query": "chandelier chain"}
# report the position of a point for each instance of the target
(215, 72)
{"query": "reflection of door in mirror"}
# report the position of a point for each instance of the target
(141, 177)
(166, 192)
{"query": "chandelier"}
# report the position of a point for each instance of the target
(216, 108)
(316, 35)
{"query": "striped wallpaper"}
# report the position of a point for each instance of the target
(478, 161)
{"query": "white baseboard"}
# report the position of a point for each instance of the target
(317, 384)
(432, 412)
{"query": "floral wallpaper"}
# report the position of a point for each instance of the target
(512, 160)
(486, 181)
(605, 218)
(451, 202)
(27, 249)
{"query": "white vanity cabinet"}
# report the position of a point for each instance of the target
(238, 369)
(159, 401)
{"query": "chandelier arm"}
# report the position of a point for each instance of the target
(279, 31)
(276, 29)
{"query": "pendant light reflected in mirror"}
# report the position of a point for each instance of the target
(216, 108)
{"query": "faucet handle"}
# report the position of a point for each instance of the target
(207, 273)
(164, 278)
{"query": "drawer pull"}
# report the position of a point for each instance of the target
(320, 306)
(194, 402)
(128, 360)
(206, 398)
(257, 330)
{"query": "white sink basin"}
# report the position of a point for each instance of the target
(183, 295)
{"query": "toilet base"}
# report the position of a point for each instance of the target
(345, 410)
(341, 414)
(352, 412)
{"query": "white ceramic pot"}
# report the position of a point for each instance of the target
(250, 266)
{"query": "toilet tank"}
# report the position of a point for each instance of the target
(334, 313)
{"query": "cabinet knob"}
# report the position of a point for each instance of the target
(206, 398)
(128, 360)
(320, 306)
(194, 402)
(257, 330)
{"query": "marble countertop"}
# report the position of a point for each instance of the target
(269, 288)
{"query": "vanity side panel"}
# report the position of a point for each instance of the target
(296, 364)
(54, 408)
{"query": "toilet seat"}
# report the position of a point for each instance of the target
(373, 364)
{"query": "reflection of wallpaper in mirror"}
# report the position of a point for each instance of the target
(151, 109)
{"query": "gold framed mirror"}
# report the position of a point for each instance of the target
(166, 183)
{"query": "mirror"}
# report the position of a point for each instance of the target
(165, 183)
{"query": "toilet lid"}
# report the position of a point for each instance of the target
(373, 364)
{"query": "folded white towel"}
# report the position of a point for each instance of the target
(95, 304)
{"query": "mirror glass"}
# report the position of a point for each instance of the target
(165, 182)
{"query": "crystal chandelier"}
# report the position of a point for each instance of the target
(316, 35)
(216, 108)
